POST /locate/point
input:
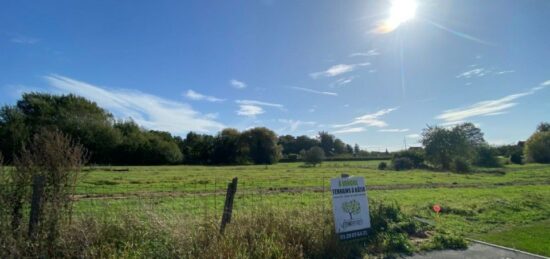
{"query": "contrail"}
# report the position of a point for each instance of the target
(459, 34)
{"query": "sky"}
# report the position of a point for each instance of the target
(371, 72)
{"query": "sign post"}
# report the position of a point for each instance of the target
(350, 207)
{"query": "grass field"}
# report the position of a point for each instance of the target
(508, 206)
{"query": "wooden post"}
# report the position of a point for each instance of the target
(36, 204)
(228, 207)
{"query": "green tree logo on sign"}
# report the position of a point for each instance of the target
(351, 207)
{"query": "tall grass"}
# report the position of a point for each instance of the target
(273, 233)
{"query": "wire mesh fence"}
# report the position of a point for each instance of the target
(202, 199)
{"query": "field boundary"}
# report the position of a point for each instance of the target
(278, 190)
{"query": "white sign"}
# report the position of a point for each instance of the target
(350, 207)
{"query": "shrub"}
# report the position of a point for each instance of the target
(516, 158)
(402, 163)
(460, 165)
(313, 156)
(382, 166)
(416, 157)
(537, 147)
(486, 157)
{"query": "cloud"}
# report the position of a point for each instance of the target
(545, 83)
(481, 72)
(393, 130)
(237, 84)
(314, 91)
(372, 52)
(337, 70)
(254, 102)
(199, 97)
(342, 81)
(24, 40)
(293, 125)
(505, 72)
(370, 120)
(484, 108)
(476, 72)
(249, 110)
(148, 110)
(349, 130)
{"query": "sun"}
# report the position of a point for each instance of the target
(401, 11)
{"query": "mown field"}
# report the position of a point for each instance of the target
(508, 206)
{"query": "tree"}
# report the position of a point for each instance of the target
(313, 156)
(349, 149)
(443, 145)
(352, 207)
(197, 148)
(260, 145)
(327, 142)
(339, 146)
(486, 157)
(356, 149)
(227, 147)
(288, 143)
(472, 133)
(304, 143)
(76, 116)
(537, 147)
(543, 127)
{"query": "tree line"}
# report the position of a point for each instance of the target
(460, 147)
(123, 142)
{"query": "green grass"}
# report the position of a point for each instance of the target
(533, 237)
(482, 204)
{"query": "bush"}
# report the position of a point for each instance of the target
(313, 156)
(516, 158)
(382, 166)
(416, 157)
(537, 147)
(460, 165)
(402, 163)
(486, 157)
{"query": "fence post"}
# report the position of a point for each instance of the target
(36, 204)
(228, 207)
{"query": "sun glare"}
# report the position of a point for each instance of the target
(401, 11)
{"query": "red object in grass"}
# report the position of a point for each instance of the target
(436, 208)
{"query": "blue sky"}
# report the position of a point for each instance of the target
(297, 67)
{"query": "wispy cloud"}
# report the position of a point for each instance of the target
(148, 110)
(372, 52)
(293, 125)
(237, 84)
(254, 102)
(24, 40)
(337, 70)
(369, 120)
(485, 108)
(481, 72)
(349, 130)
(314, 91)
(342, 81)
(199, 97)
(476, 72)
(393, 130)
(249, 110)
(252, 108)
(505, 72)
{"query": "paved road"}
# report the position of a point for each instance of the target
(475, 251)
